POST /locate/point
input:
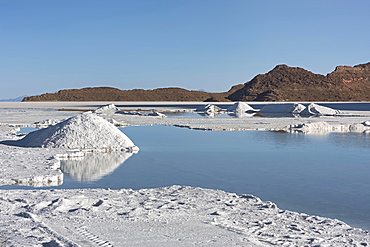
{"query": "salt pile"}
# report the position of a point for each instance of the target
(106, 110)
(155, 113)
(85, 131)
(314, 109)
(293, 108)
(209, 109)
(240, 107)
(366, 123)
(46, 123)
(116, 123)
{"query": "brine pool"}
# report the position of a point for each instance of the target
(326, 175)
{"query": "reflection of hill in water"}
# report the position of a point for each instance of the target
(93, 166)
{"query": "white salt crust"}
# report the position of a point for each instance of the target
(170, 216)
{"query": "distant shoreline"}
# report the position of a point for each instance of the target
(148, 105)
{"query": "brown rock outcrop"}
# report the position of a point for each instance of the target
(285, 83)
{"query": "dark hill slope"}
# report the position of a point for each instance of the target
(285, 83)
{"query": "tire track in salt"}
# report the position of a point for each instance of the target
(93, 238)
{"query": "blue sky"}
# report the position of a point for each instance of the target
(48, 45)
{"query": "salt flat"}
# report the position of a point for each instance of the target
(181, 216)
(170, 216)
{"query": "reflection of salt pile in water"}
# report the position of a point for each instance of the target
(93, 166)
(314, 109)
(239, 114)
(293, 108)
(85, 131)
(240, 107)
(209, 110)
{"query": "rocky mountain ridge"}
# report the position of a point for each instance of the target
(282, 83)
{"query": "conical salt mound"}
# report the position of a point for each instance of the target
(240, 107)
(85, 131)
(209, 108)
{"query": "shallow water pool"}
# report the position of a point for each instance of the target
(327, 175)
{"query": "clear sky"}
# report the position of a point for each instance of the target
(48, 45)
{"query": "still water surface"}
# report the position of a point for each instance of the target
(327, 175)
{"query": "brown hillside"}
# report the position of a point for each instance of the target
(285, 83)
(114, 94)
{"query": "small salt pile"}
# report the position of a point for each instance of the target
(209, 109)
(155, 113)
(46, 123)
(366, 123)
(106, 110)
(314, 109)
(85, 131)
(240, 107)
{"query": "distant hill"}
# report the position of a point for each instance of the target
(115, 94)
(18, 99)
(283, 83)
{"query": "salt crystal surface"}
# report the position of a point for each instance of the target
(168, 216)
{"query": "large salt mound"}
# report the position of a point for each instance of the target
(85, 131)
(293, 108)
(240, 107)
(314, 109)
